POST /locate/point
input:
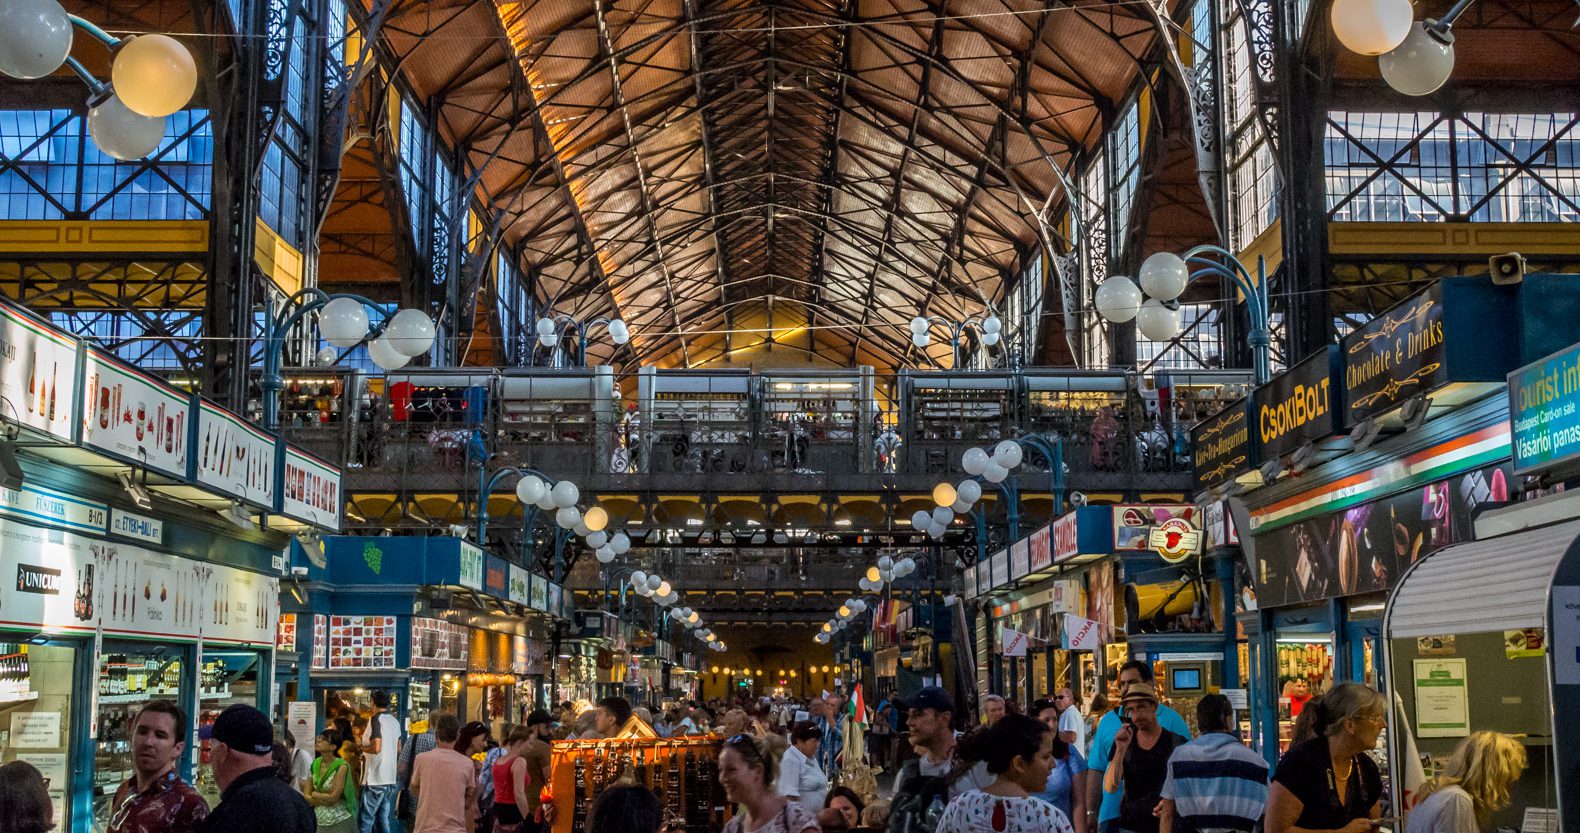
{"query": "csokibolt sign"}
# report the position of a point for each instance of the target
(1298, 406)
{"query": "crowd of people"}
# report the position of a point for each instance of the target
(1132, 769)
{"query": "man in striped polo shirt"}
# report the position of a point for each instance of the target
(1214, 783)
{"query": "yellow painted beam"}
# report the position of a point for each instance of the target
(281, 262)
(103, 236)
(1447, 239)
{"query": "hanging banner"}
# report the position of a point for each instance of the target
(539, 591)
(1019, 559)
(1066, 541)
(1080, 633)
(233, 457)
(1012, 643)
(310, 492)
(135, 416)
(38, 374)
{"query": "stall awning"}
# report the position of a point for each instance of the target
(1481, 586)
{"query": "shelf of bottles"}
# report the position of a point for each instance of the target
(223, 681)
(15, 678)
(1305, 670)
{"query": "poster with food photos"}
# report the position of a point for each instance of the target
(285, 638)
(357, 642)
(320, 641)
(311, 491)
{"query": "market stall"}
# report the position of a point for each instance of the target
(683, 772)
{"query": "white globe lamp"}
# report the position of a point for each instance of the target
(1007, 454)
(410, 332)
(1164, 276)
(565, 494)
(568, 517)
(1371, 27)
(1157, 322)
(343, 322)
(969, 491)
(619, 333)
(35, 38)
(123, 134)
(531, 489)
(1421, 64)
(974, 461)
(386, 356)
(1117, 299)
(620, 543)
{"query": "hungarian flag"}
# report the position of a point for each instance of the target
(1413, 778)
(858, 707)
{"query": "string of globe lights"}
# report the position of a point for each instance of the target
(657, 588)
(151, 76)
(958, 499)
(883, 572)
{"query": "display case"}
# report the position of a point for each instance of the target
(37, 706)
(128, 676)
(1305, 670)
(227, 678)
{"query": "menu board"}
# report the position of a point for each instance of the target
(311, 491)
(437, 644)
(134, 416)
(361, 642)
(234, 457)
(519, 582)
(286, 635)
(320, 641)
(38, 373)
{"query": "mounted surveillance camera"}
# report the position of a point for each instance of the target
(1271, 470)
(299, 572)
(1507, 270)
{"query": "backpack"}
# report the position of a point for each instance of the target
(913, 795)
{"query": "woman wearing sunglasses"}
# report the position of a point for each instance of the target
(747, 772)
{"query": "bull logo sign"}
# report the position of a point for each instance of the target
(1175, 539)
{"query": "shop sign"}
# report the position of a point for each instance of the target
(520, 578)
(1019, 559)
(1176, 539)
(495, 571)
(134, 416)
(1297, 406)
(1066, 538)
(141, 527)
(1133, 523)
(1544, 411)
(38, 373)
(37, 503)
(66, 582)
(1080, 633)
(531, 656)
(999, 564)
(361, 642)
(472, 559)
(311, 491)
(1222, 444)
(1366, 547)
(1065, 597)
(556, 600)
(437, 644)
(539, 593)
(1042, 549)
(1397, 355)
(233, 457)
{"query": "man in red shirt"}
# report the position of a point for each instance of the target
(155, 799)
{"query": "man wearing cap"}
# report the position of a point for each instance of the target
(1132, 672)
(252, 798)
(1140, 760)
(537, 757)
(931, 723)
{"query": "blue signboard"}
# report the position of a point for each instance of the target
(1544, 411)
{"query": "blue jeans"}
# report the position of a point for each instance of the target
(376, 809)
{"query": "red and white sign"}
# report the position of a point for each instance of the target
(1176, 540)
(1217, 526)
(1042, 549)
(1012, 643)
(1080, 634)
(1066, 543)
(1133, 523)
(1020, 558)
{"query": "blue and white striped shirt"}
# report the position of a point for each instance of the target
(1217, 784)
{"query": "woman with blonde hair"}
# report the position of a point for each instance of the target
(1472, 787)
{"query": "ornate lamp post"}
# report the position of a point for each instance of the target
(551, 328)
(989, 327)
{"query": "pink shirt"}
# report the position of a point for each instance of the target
(446, 786)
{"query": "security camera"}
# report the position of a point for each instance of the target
(1508, 269)
(299, 572)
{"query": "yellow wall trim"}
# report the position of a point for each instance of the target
(1438, 239)
(103, 236)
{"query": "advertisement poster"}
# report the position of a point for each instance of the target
(1133, 523)
(358, 642)
(1365, 548)
(38, 374)
(1529, 642)
(540, 594)
(134, 416)
(301, 720)
(287, 633)
(519, 582)
(233, 456)
(1100, 599)
(556, 599)
(438, 644)
(1544, 411)
(472, 559)
(311, 491)
(320, 641)
(1442, 702)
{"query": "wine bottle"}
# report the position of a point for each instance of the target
(54, 390)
